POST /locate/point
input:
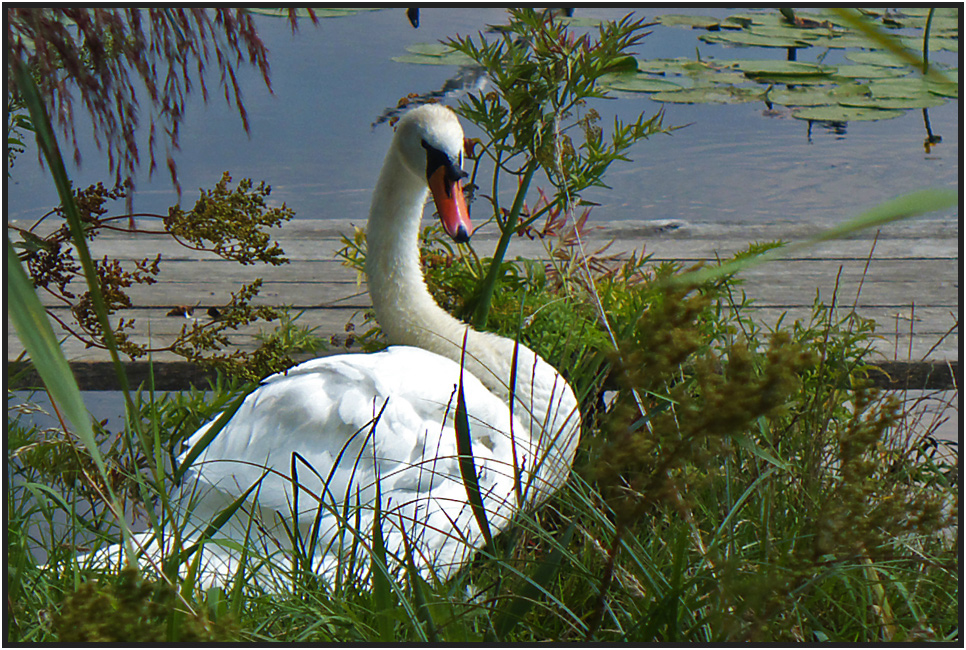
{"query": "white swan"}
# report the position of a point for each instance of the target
(347, 423)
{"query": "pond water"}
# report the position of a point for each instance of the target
(312, 139)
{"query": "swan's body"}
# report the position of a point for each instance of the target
(347, 423)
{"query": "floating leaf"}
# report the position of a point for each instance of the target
(944, 89)
(863, 71)
(803, 97)
(694, 22)
(710, 95)
(844, 114)
(920, 101)
(850, 89)
(911, 87)
(904, 87)
(788, 31)
(876, 57)
(433, 54)
(430, 49)
(750, 39)
(944, 18)
(303, 13)
(705, 77)
(774, 19)
(795, 80)
(842, 41)
(935, 43)
(780, 68)
(661, 66)
(580, 21)
(623, 64)
(638, 83)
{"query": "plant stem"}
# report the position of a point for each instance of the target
(509, 227)
(925, 42)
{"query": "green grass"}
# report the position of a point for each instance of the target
(766, 495)
(739, 483)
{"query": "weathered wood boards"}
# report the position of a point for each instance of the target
(907, 279)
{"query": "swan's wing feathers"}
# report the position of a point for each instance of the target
(329, 411)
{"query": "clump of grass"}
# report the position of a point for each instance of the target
(743, 485)
(128, 608)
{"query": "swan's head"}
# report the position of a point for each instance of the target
(430, 140)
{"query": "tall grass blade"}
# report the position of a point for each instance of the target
(48, 144)
(33, 327)
(30, 320)
(215, 525)
(418, 587)
(381, 589)
(534, 587)
(464, 448)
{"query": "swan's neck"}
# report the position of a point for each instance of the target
(408, 315)
(403, 306)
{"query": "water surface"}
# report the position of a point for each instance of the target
(312, 139)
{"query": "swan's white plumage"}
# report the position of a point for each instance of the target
(350, 421)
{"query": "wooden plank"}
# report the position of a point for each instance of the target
(309, 284)
(925, 328)
(911, 286)
(174, 376)
(684, 249)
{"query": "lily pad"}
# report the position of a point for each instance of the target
(850, 88)
(803, 97)
(843, 41)
(638, 83)
(710, 95)
(430, 49)
(944, 18)
(793, 80)
(433, 54)
(661, 66)
(302, 13)
(903, 87)
(876, 57)
(780, 68)
(694, 22)
(904, 103)
(711, 77)
(750, 39)
(864, 71)
(844, 114)
(773, 19)
(935, 43)
(944, 89)
(788, 31)
(580, 21)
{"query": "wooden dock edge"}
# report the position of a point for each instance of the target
(182, 375)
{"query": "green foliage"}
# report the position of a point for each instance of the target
(232, 223)
(133, 610)
(543, 74)
(738, 483)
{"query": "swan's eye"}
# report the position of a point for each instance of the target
(436, 159)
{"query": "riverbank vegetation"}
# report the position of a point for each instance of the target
(734, 482)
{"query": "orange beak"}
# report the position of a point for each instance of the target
(451, 206)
